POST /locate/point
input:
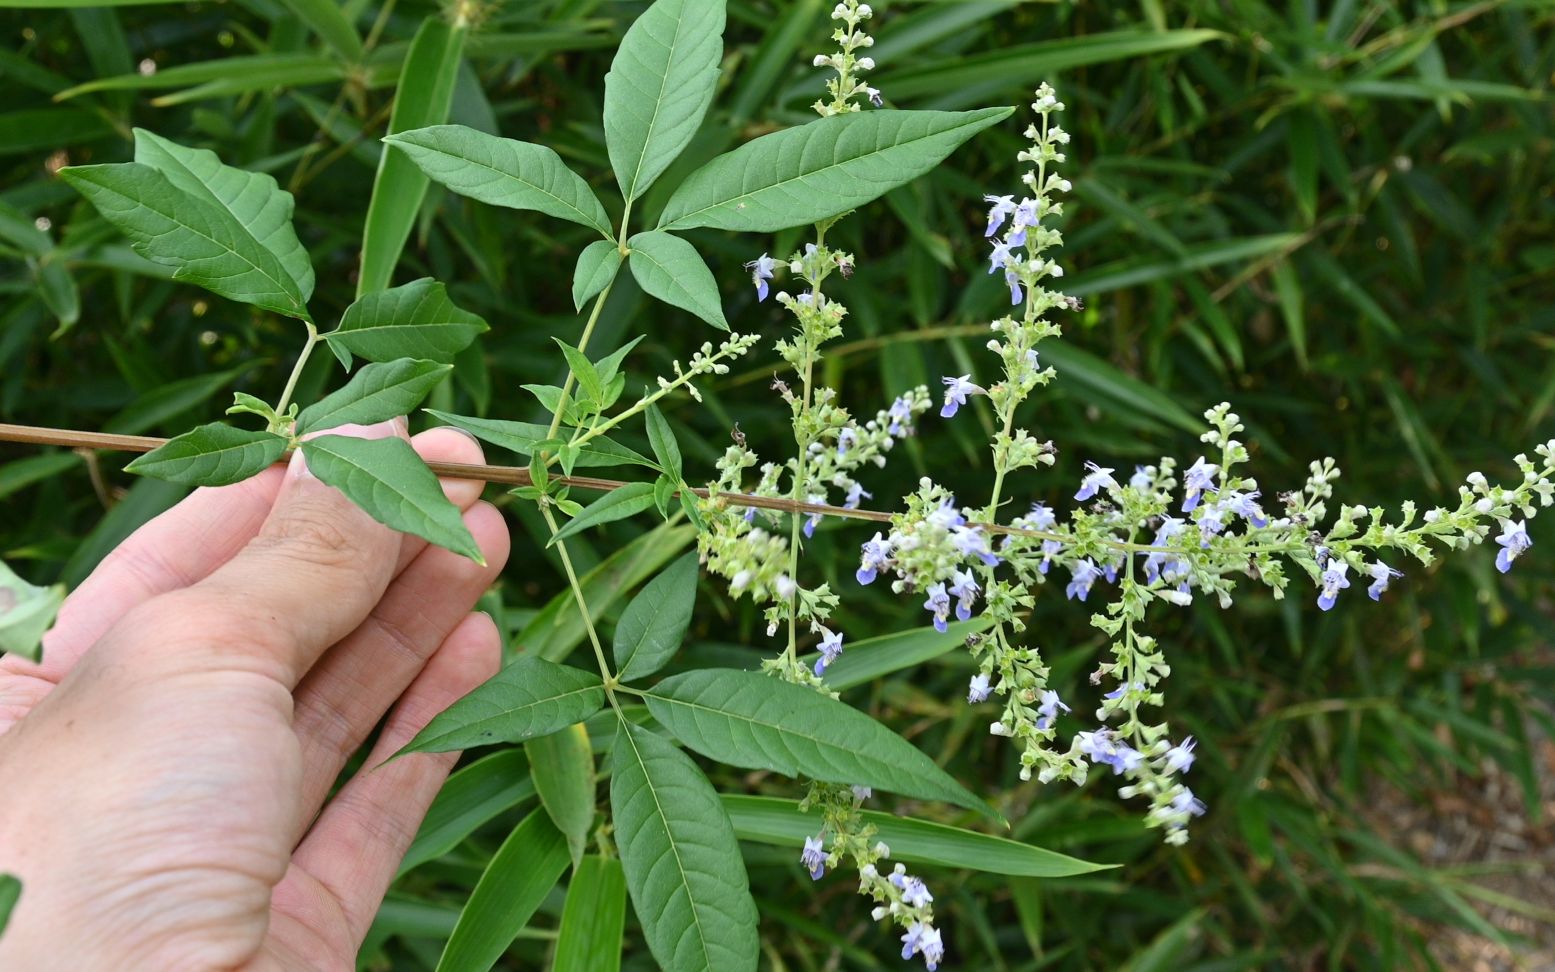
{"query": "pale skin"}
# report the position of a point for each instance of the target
(165, 772)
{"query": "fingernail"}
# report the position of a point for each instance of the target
(298, 467)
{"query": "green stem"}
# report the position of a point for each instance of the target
(302, 360)
(800, 462)
(583, 609)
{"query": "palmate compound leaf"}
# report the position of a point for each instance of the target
(211, 455)
(414, 320)
(748, 719)
(529, 698)
(393, 485)
(659, 86)
(654, 623)
(375, 394)
(669, 268)
(814, 171)
(203, 242)
(253, 198)
(503, 172)
(682, 862)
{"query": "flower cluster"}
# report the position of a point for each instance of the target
(850, 38)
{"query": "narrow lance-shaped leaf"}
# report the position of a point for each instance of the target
(211, 455)
(425, 92)
(525, 437)
(375, 394)
(662, 438)
(772, 820)
(522, 872)
(593, 919)
(253, 198)
(747, 719)
(659, 87)
(562, 765)
(654, 624)
(670, 269)
(529, 698)
(597, 267)
(829, 166)
(203, 243)
(472, 796)
(503, 172)
(414, 320)
(393, 485)
(618, 504)
(683, 865)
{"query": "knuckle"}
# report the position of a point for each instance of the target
(311, 533)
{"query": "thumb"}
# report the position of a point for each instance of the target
(313, 573)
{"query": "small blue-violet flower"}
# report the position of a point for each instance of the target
(813, 857)
(964, 588)
(1333, 581)
(971, 542)
(1513, 540)
(1381, 575)
(939, 605)
(978, 688)
(926, 939)
(956, 391)
(1048, 709)
(830, 648)
(761, 271)
(875, 556)
(1001, 209)
(1199, 477)
(1084, 574)
(1095, 479)
(814, 519)
(1180, 757)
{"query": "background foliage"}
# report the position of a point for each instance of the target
(1336, 216)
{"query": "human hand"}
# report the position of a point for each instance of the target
(164, 771)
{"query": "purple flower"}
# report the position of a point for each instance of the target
(946, 516)
(1094, 480)
(1381, 575)
(971, 542)
(1180, 757)
(1142, 477)
(1025, 218)
(861, 793)
(1084, 575)
(875, 555)
(761, 272)
(939, 604)
(813, 857)
(846, 439)
(926, 939)
(1199, 477)
(964, 588)
(1040, 517)
(856, 494)
(1333, 581)
(978, 688)
(1012, 280)
(956, 391)
(1186, 802)
(830, 648)
(1001, 257)
(900, 412)
(1048, 709)
(1002, 207)
(1246, 506)
(1513, 540)
(1212, 523)
(1050, 549)
(814, 518)
(914, 891)
(1103, 749)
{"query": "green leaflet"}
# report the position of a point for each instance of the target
(771, 820)
(211, 455)
(203, 242)
(682, 862)
(375, 394)
(329, 22)
(26, 613)
(423, 97)
(593, 919)
(524, 437)
(654, 623)
(827, 167)
(529, 698)
(472, 796)
(414, 320)
(618, 504)
(10, 892)
(597, 267)
(669, 268)
(665, 449)
(253, 198)
(393, 485)
(562, 766)
(659, 86)
(747, 719)
(503, 172)
(522, 872)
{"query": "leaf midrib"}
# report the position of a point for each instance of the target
(589, 219)
(696, 915)
(678, 220)
(508, 712)
(658, 102)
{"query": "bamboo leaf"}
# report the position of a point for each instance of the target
(522, 872)
(472, 796)
(593, 919)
